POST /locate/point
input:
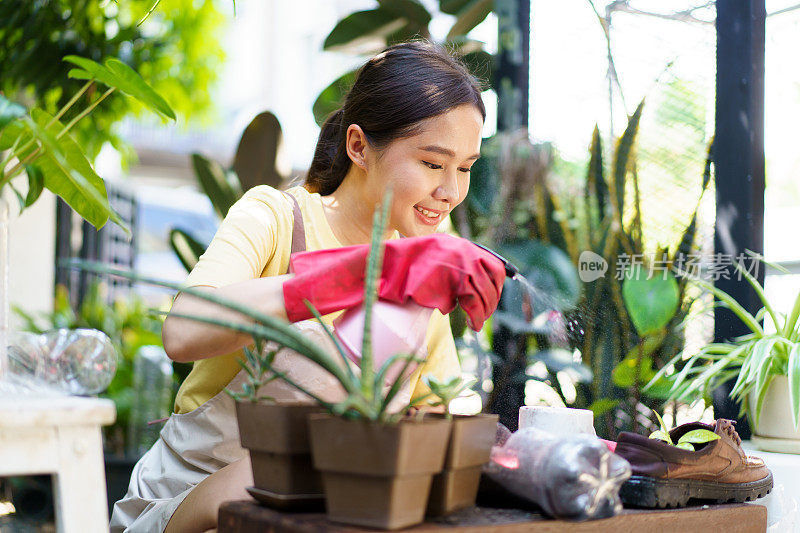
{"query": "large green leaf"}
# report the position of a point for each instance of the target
(363, 26)
(408, 9)
(452, 7)
(9, 111)
(35, 184)
(651, 302)
(469, 16)
(624, 375)
(68, 174)
(548, 270)
(117, 74)
(187, 248)
(332, 97)
(621, 159)
(216, 182)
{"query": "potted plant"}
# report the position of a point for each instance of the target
(276, 437)
(766, 367)
(377, 464)
(471, 440)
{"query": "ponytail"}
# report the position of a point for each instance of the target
(330, 163)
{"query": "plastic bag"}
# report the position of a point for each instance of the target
(574, 477)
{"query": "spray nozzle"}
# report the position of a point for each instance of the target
(511, 270)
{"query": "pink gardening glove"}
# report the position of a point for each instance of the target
(437, 271)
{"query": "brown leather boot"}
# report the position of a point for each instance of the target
(667, 476)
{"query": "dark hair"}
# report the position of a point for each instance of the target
(392, 93)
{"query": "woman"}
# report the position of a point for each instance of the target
(412, 121)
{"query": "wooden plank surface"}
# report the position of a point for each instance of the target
(249, 516)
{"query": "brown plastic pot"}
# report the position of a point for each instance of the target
(456, 487)
(276, 436)
(377, 475)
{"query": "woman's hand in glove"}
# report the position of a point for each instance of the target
(438, 271)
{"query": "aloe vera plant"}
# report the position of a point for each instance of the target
(366, 396)
(753, 359)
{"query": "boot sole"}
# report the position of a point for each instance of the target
(643, 491)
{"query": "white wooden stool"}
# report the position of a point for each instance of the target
(60, 436)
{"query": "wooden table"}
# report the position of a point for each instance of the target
(60, 435)
(249, 516)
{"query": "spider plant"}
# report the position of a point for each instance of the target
(753, 359)
(366, 398)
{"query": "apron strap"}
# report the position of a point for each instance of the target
(298, 227)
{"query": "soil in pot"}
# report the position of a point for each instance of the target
(456, 486)
(276, 435)
(377, 475)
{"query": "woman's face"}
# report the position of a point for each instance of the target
(428, 172)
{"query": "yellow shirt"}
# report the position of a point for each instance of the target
(254, 241)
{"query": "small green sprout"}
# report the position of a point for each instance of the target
(447, 391)
(688, 440)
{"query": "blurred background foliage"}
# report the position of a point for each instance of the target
(177, 50)
(392, 21)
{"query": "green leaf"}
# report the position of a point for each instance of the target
(651, 302)
(794, 382)
(685, 446)
(661, 435)
(621, 159)
(187, 248)
(602, 406)
(452, 7)
(408, 9)
(68, 174)
(117, 74)
(9, 111)
(546, 267)
(624, 374)
(35, 184)
(332, 97)
(363, 26)
(698, 436)
(470, 16)
(216, 182)
(663, 426)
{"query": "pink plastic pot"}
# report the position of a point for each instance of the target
(396, 329)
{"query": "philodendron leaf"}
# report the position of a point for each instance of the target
(35, 184)
(651, 302)
(661, 435)
(9, 111)
(698, 436)
(117, 74)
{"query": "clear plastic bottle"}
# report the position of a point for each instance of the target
(152, 381)
(72, 361)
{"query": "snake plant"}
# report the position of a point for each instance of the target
(753, 359)
(366, 397)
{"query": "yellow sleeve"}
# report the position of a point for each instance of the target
(246, 241)
(442, 361)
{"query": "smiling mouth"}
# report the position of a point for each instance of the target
(430, 215)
